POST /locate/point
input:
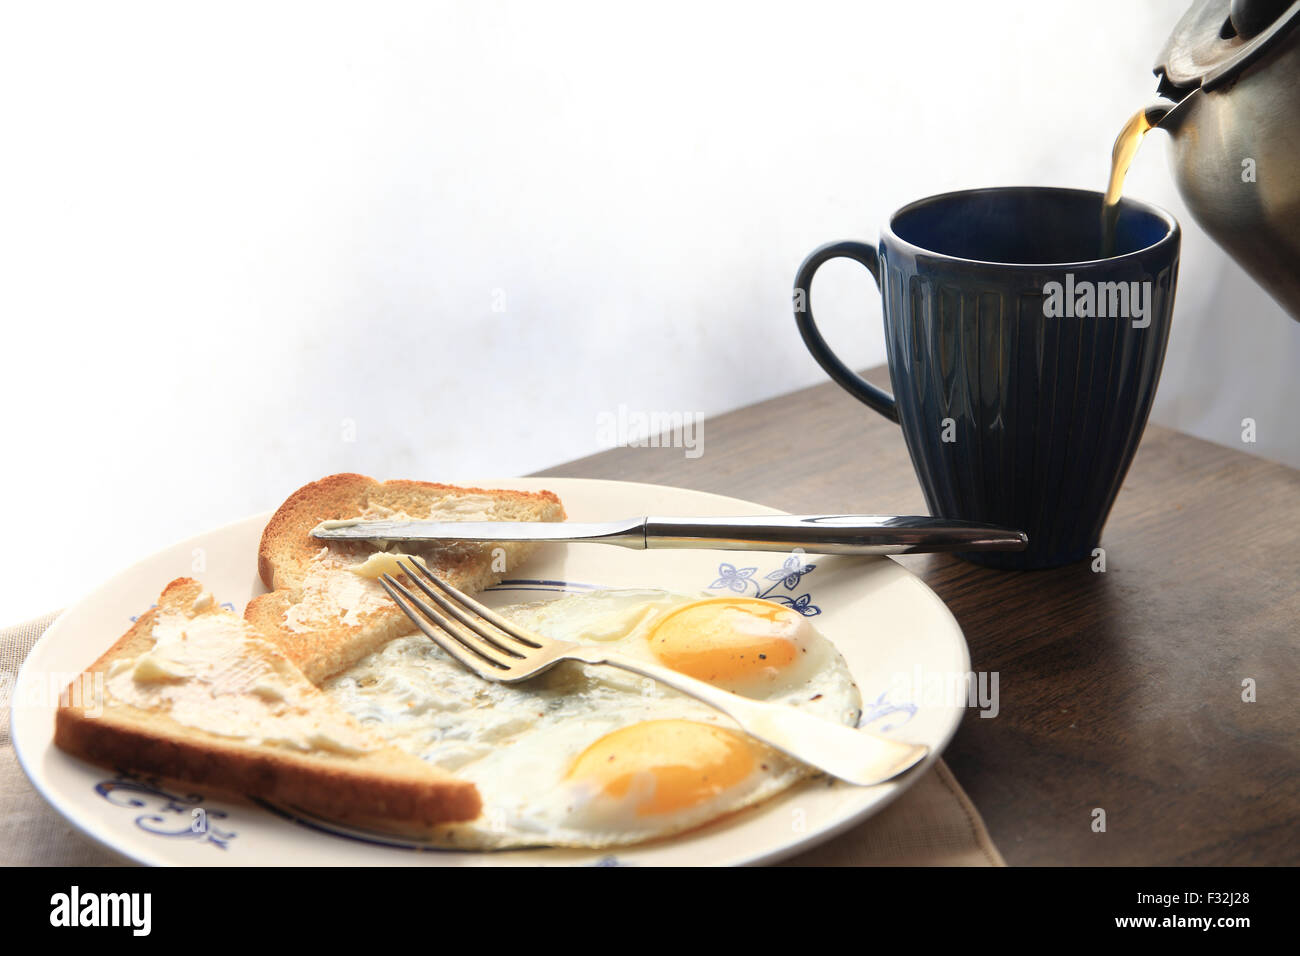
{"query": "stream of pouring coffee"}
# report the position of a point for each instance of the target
(1121, 157)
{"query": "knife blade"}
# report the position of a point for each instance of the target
(818, 534)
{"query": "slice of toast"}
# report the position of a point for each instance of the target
(323, 615)
(193, 692)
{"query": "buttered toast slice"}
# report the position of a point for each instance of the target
(193, 692)
(327, 610)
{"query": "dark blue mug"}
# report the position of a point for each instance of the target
(1023, 364)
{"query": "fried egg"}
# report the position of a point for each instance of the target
(594, 756)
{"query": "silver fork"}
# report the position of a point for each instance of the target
(499, 650)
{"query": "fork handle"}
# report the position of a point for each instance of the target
(855, 756)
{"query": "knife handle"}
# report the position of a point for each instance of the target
(831, 534)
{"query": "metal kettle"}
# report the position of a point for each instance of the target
(1230, 78)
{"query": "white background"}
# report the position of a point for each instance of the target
(235, 236)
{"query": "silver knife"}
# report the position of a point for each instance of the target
(818, 534)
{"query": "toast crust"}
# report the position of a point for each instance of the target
(380, 784)
(289, 562)
(286, 544)
(353, 794)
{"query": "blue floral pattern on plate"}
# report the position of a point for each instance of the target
(788, 576)
(166, 814)
(881, 708)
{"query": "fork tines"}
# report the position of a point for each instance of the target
(483, 641)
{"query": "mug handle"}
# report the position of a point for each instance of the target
(850, 381)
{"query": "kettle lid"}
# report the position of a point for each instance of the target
(1216, 39)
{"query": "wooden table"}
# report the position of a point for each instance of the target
(1119, 690)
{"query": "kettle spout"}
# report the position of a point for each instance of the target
(1168, 115)
(1157, 111)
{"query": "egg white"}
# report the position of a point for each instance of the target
(516, 742)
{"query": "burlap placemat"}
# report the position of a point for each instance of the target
(933, 824)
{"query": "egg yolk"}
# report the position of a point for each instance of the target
(731, 642)
(688, 763)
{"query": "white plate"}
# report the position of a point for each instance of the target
(889, 626)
